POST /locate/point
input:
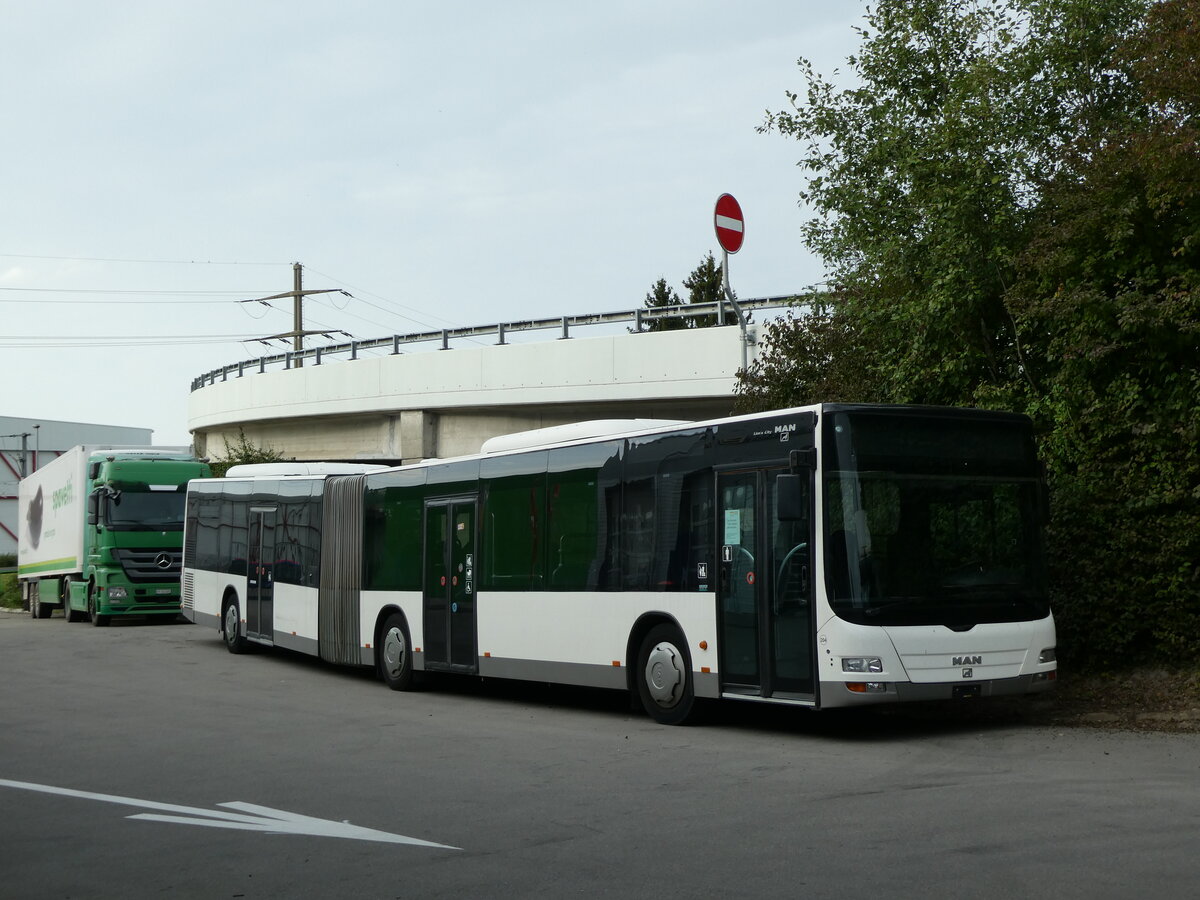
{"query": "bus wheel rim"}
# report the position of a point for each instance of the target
(394, 649)
(664, 674)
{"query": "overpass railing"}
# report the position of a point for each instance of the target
(641, 319)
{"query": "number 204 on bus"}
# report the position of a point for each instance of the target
(826, 556)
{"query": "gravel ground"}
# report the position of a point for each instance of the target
(1134, 700)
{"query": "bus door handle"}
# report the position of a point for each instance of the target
(726, 572)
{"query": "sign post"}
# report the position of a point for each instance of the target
(730, 226)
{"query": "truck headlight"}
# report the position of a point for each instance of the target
(118, 593)
(862, 664)
(1050, 654)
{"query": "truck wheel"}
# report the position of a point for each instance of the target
(69, 614)
(98, 620)
(38, 609)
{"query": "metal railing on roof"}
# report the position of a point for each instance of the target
(641, 319)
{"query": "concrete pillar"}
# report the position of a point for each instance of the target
(418, 435)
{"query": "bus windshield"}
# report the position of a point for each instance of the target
(146, 511)
(933, 520)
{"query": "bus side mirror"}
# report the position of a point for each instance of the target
(802, 460)
(790, 498)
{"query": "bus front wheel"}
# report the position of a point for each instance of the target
(395, 654)
(234, 641)
(664, 676)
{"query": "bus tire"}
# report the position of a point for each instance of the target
(394, 654)
(230, 620)
(664, 676)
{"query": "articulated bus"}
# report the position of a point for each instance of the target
(823, 556)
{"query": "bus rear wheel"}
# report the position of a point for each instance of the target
(394, 654)
(664, 676)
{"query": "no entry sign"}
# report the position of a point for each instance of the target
(731, 228)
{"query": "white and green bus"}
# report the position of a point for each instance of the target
(823, 556)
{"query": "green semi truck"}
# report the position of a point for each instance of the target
(101, 532)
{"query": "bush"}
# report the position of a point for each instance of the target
(10, 592)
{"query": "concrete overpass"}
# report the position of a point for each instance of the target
(442, 394)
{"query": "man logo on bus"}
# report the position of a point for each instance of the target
(967, 661)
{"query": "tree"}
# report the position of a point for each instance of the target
(243, 453)
(703, 286)
(1109, 282)
(1007, 205)
(924, 178)
(661, 295)
(808, 356)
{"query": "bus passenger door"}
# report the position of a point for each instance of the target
(765, 566)
(260, 574)
(449, 584)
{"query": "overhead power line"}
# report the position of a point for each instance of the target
(360, 291)
(33, 290)
(171, 262)
(39, 343)
(129, 337)
(113, 303)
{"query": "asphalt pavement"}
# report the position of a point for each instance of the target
(145, 760)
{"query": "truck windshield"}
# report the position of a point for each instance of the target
(146, 511)
(932, 520)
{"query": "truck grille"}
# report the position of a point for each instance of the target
(150, 565)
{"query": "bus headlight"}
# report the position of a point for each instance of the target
(862, 664)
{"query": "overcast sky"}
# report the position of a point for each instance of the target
(456, 163)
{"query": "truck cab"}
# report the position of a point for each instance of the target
(133, 536)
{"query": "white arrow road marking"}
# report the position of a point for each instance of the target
(250, 817)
